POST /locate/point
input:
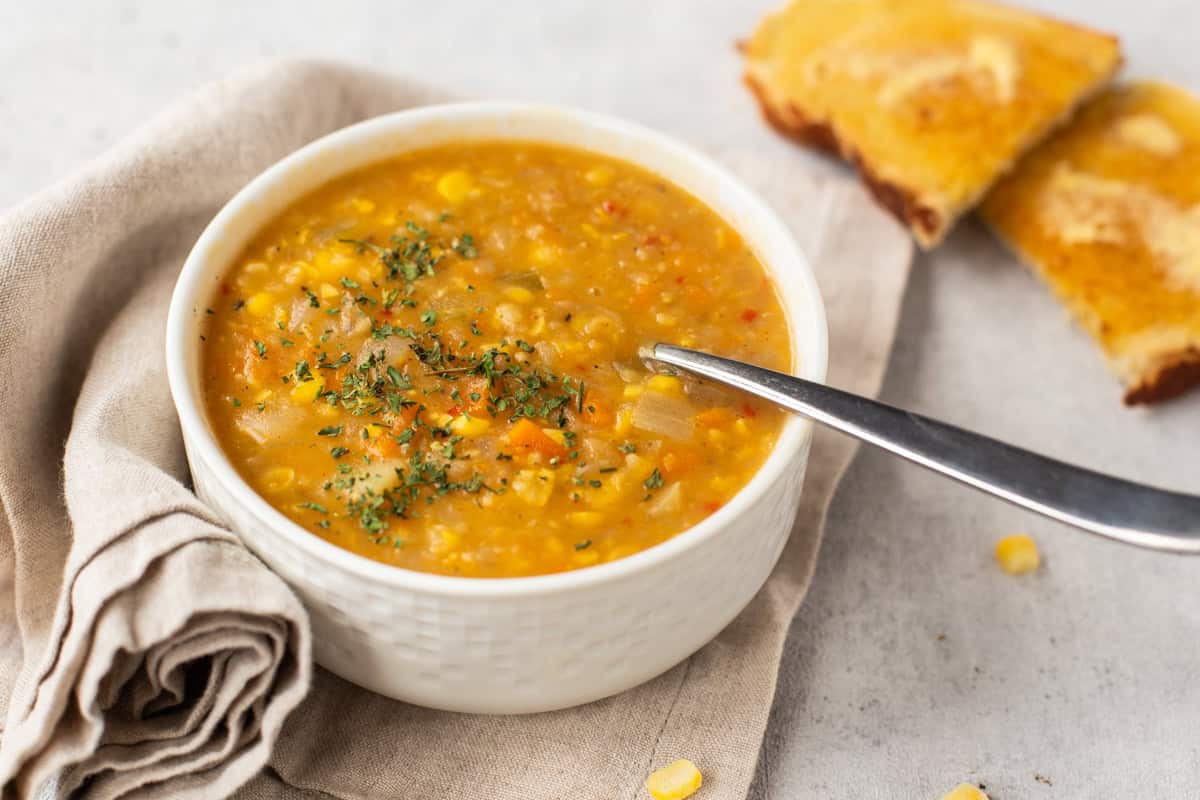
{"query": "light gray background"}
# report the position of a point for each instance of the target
(1084, 674)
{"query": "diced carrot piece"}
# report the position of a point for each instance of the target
(749, 315)
(597, 411)
(675, 463)
(527, 437)
(717, 417)
(384, 446)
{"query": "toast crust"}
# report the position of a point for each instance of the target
(900, 201)
(1168, 382)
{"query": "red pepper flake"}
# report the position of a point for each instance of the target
(454, 410)
(652, 240)
(387, 312)
(679, 280)
(749, 315)
(612, 209)
(748, 411)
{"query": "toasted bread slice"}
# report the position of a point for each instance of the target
(932, 99)
(1107, 211)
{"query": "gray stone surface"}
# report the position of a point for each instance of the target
(1082, 674)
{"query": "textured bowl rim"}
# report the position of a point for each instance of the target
(810, 309)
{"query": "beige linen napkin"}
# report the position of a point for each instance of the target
(144, 652)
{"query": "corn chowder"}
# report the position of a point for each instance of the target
(433, 362)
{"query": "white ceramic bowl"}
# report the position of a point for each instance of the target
(509, 645)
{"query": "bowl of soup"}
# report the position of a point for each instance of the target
(406, 365)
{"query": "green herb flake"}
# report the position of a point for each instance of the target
(655, 481)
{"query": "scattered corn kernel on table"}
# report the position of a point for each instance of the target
(916, 663)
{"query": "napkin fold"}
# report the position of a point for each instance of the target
(144, 651)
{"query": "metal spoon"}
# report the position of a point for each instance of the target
(1118, 509)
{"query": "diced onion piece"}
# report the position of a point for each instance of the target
(525, 280)
(662, 414)
(628, 373)
(668, 501)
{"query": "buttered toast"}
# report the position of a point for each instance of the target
(932, 99)
(1107, 212)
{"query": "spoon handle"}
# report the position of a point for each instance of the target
(1118, 509)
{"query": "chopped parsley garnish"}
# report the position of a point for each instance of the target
(655, 481)
(330, 430)
(260, 348)
(584, 545)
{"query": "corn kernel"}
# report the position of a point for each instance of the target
(590, 230)
(599, 175)
(455, 186)
(965, 791)
(632, 391)
(373, 431)
(624, 422)
(465, 425)
(442, 539)
(534, 486)
(542, 254)
(260, 304)
(298, 273)
(518, 294)
(556, 435)
(741, 427)
(675, 781)
(585, 519)
(362, 205)
(665, 384)
(278, 478)
(1017, 554)
(585, 557)
(666, 320)
(306, 392)
(328, 291)
(263, 395)
(622, 552)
